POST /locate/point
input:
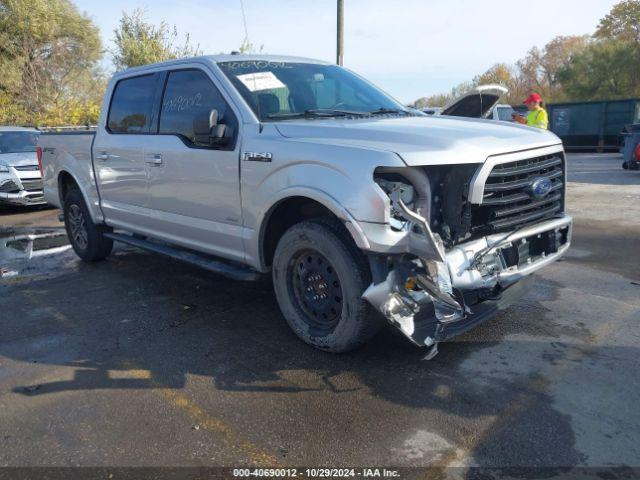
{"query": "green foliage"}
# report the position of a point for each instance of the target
(622, 23)
(49, 55)
(607, 69)
(139, 42)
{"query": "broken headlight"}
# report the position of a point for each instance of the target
(394, 184)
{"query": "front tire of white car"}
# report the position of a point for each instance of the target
(319, 276)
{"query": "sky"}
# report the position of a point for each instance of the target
(409, 48)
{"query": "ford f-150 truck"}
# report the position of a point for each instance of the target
(360, 208)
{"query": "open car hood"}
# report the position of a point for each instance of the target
(476, 103)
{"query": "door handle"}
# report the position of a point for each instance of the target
(154, 159)
(104, 156)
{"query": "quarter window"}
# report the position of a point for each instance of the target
(132, 105)
(188, 94)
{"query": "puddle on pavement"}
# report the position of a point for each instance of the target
(32, 251)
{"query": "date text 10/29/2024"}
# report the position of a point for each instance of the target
(315, 473)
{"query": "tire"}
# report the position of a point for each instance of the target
(86, 238)
(319, 276)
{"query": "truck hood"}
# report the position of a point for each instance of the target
(476, 103)
(422, 140)
(19, 159)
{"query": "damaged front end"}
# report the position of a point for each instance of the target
(433, 289)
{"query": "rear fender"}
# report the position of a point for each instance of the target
(53, 192)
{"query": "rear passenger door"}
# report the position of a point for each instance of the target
(118, 150)
(194, 191)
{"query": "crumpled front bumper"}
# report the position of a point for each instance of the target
(22, 198)
(431, 298)
(21, 187)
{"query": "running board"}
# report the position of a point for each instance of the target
(236, 272)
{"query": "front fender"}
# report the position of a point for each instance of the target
(338, 177)
(328, 201)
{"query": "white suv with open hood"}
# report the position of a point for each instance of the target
(20, 177)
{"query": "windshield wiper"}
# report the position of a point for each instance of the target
(316, 113)
(384, 111)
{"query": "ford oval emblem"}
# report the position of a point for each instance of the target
(540, 186)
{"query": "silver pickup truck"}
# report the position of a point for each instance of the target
(360, 208)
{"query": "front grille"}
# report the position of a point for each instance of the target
(35, 184)
(508, 201)
(9, 187)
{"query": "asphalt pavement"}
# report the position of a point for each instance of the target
(142, 361)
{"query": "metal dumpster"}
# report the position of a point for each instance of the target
(631, 143)
(592, 125)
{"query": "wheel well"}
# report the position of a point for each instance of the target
(284, 215)
(66, 183)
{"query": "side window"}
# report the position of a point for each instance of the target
(132, 105)
(189, 93)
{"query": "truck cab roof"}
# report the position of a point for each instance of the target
(232, 57)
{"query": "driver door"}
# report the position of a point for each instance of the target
(194, 192)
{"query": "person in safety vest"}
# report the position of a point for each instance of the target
(537, 116)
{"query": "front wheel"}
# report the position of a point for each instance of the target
(319, 277)
(86, 238)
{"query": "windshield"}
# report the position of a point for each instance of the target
(281, 90)
(18, 142)
(504, 113)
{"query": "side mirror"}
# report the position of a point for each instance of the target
(207, 130)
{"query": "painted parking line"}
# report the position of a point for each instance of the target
(178, 400)
(198, 416)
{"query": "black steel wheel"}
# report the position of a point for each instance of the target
(319, 276)
(317, 290)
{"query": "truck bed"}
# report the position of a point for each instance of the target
(70, 151)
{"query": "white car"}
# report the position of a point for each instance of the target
(20, 175)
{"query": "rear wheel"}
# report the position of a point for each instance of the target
(86, 238)
(319, 277)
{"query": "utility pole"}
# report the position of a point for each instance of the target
(340, 36)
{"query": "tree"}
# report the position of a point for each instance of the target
(507, 76)
(538, 71)
(621, 23)
(539, 68)
(440, 100)
(607, 69)
(139, 42)
(49, 55)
